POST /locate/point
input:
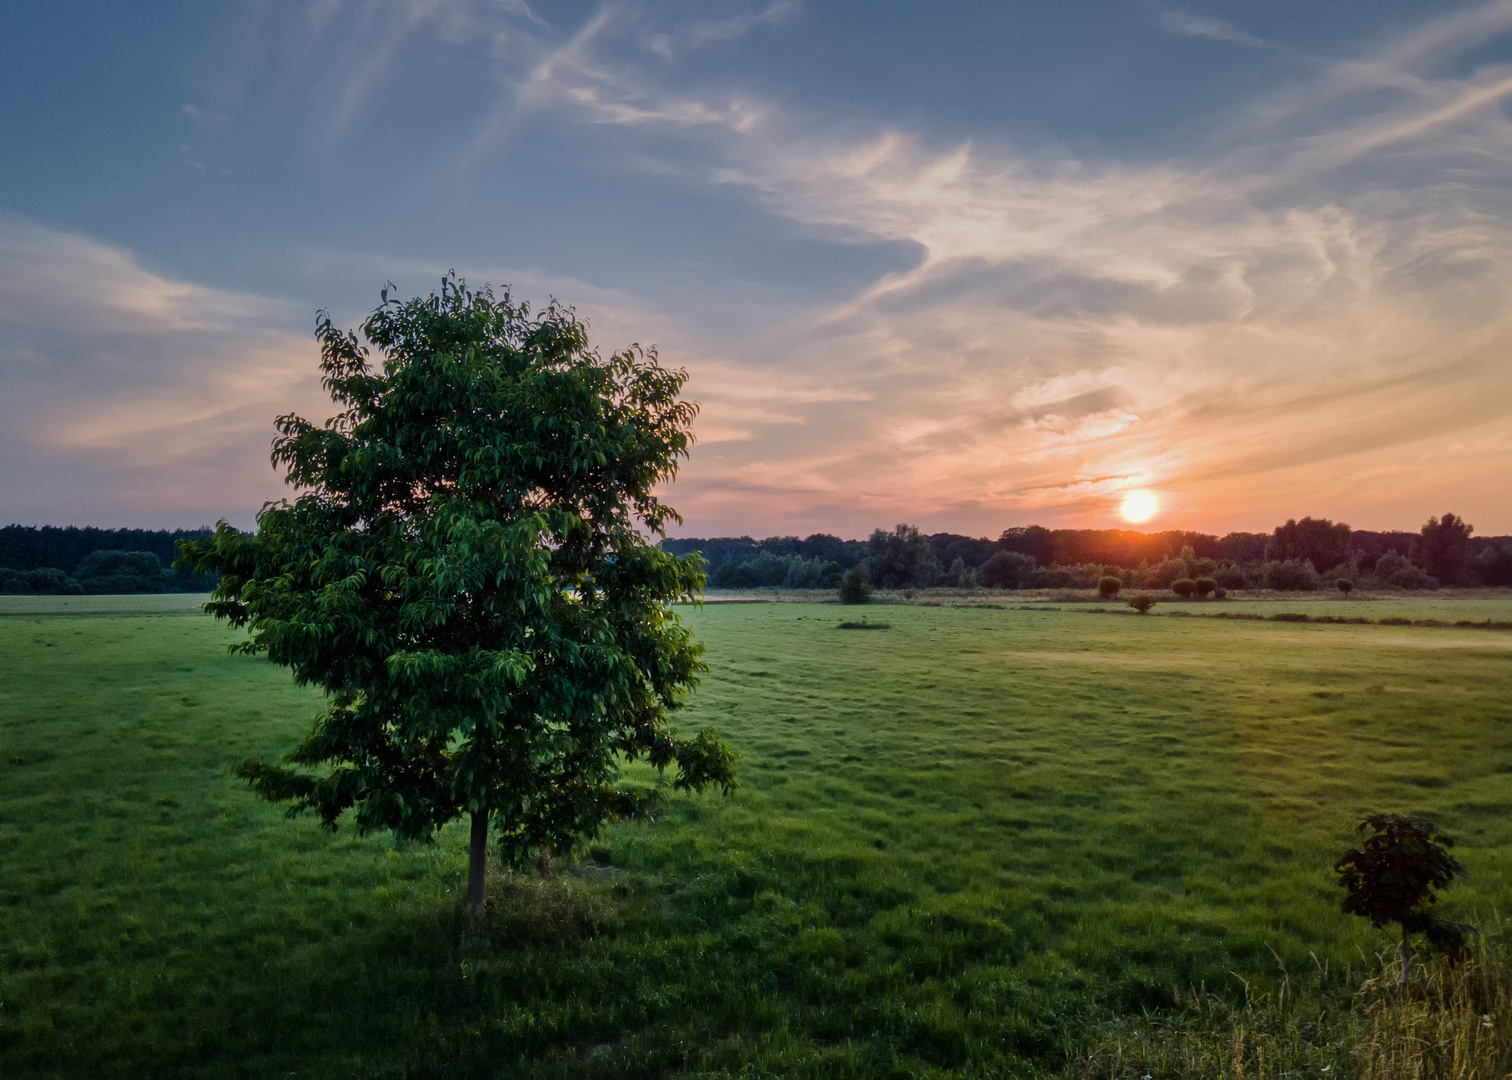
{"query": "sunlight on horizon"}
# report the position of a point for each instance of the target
(1139, 506)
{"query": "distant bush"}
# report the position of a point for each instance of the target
(1052, 577)
(1162, 574)
(855, 585)
(1184, 587)
(812, 574)
(1006, 570)
(1087, 575)
(1344, 585)
(1230, 576)
(1394, 569)
(1142, 603)
(1108, 586)
(1219, 593)
(107, 572)
(770, 570)
(45, 581)
(1291, 575)
(1205, 586)
(1493, 567)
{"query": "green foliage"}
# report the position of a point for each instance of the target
(1344, 585)
(1398, 571)
(465, 577)
(1316, 540)
(1035, 541)
(767, 570)
(1230, 576)
(1007, 570)
(855, 585)
(44, 581)
(1184, 588)
(1394, 876)
(1205, 586)
(35, 548)
(902, 559)
(1291, 575)
(1442, 549)
(1108, 586)
(121, 572)
(1494, 566)
(1141, 602)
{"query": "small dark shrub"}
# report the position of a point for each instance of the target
(1108, 587)
(1205, 585)
(1392, 878)
(1142, 603)
(1344, 585)
(864, 625)
(1219, 593)
(1184, 587)
(855, 585)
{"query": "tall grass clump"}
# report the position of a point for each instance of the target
(1446, 1023)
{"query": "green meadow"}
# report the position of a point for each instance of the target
(964, 846)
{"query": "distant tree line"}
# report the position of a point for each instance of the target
(1310, 554)
(72, 561)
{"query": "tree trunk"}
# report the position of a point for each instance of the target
(477, 865)
(1406, 960)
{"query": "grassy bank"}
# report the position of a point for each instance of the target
(979, 842)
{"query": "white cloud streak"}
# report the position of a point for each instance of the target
(1282, 321)
(1221, 318)
(129, 397)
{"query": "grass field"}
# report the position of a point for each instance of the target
(965, 845)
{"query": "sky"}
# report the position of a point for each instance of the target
(964, 265)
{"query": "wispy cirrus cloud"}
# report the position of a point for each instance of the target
(1219, 309)
(1283, 317)
(144, 398)
(1187, 25)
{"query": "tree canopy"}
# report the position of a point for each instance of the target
(1319, 541)
(1442, 548)
(902, 558)
(465, 573)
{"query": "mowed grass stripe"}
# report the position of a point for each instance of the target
(959, 841)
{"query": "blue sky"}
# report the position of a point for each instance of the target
(966, 265)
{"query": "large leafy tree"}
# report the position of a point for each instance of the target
(1322, 542)
(902, 558)
(466, 573)
(1442, 548)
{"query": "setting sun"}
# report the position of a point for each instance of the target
(1139, 506)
